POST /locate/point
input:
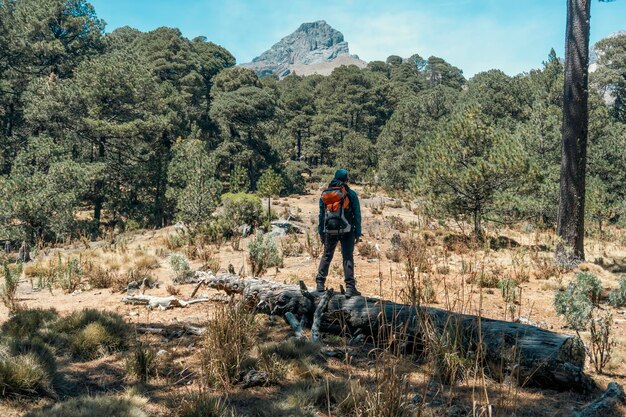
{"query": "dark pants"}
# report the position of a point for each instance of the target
(347, 252)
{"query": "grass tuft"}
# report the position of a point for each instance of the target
(99, 406)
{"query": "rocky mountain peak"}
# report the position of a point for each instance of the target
(312, 48)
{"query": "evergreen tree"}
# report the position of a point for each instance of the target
(269, 186)
(469, 167)
(239, 181)
(193, 182)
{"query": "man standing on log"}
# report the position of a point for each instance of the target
(339, 222)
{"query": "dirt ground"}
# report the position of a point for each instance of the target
(524, 257)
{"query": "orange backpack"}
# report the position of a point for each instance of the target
(336, 201)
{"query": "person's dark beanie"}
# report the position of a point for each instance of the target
(341, 175)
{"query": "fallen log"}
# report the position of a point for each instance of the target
(607, 403)
(513, 351)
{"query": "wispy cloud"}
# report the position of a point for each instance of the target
(475, 35)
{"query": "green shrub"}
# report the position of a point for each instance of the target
(577, 301)
(99, 406)
(239, 180)
(263, 254)
(293, 180)
(181, 268)
(241, 208)
(617, 297)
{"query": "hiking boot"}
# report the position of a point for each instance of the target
(352, 292)
(320, 287)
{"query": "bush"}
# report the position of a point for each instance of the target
(577, 301)
(291, 246)
(293, 181)
(8, 291)
(92, 333)
(601, 342)
(98, 406)
(227, 344)
(367, 250)
(617, 297)
(181, 268)
(263, 254)
(240, 209)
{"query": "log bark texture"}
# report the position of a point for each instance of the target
(515, 351)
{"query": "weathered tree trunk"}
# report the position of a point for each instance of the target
(571, 217)
(607, 404)
(533, 356)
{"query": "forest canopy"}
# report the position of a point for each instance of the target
(99, 129)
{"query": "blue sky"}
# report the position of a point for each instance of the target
(475, 35)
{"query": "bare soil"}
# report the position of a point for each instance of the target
(452, 268)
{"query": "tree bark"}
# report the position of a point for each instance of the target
(571, 217)
(99, 192)
(528, 354)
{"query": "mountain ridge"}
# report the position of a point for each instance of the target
(313, 48)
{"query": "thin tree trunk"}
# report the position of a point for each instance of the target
(571, 218)
(299, 144)
(99, 193)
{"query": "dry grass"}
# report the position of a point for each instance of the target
(202, 404)
(228, 343)
(26, 369)
(97, 406)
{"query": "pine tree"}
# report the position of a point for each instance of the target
(268, 186)
(193, 182)
(467, 168)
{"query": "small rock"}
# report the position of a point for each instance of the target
(254, 378)
(161, 352)
(357, 340)
(457, 411)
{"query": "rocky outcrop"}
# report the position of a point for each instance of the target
(314, 48)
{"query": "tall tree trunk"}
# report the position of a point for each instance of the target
(99, 193)
(571, 218)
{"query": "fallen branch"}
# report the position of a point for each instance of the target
(162, 303)
(173, 333)
(317, 316)
(610, 399)
(295, 324)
